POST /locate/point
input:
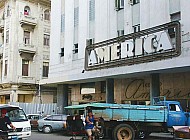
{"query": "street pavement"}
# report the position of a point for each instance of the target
(60, 136)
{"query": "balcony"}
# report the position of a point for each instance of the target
(26, 79)
(27, 20)
(27, 51)
(27, 48)
(2, 22)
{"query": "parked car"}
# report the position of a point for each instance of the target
(51, 123)
(34, 120)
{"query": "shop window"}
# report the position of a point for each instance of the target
(6, 65)
(45, 69)
(27, 11)
(47, 15)
(25, 67)
(46, 40)
(26, 37)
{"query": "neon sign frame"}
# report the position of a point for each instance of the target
(135, 59)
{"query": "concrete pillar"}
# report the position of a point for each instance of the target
(109, 90)
(154, 86)
(14, 93)
(62, 98)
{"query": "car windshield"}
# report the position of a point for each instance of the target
(17, 115)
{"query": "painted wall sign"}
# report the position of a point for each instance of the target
(139, 89)
(148, 45)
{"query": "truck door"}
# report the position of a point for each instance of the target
(176, 116)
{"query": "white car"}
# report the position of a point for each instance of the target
(19, 120)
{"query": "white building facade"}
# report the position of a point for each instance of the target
(122, 51)
(25, 44)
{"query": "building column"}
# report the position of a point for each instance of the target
(14, 93)
(109, 90)
(62, 98)
(154, 86)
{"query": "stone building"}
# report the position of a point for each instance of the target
(24, 51)
(121, 51)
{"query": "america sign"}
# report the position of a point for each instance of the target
(153, 44)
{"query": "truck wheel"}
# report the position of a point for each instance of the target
(123, 132)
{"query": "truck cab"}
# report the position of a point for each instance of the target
(176, 115)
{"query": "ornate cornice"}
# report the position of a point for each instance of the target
(42, 2)
(2, 3)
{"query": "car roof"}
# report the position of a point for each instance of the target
(9, 107)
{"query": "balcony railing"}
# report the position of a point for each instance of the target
(27, 48)
(28, 20)
(2, 24)
(26, 79)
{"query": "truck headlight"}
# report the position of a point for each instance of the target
(25, 129)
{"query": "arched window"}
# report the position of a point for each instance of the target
(26, 10)
(46, 15)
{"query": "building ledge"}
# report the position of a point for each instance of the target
(27, 20)
(26, 48)
(26, 79)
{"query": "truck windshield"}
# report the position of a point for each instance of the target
(174, 107)
(17, 115)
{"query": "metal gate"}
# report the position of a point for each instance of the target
(35, 108)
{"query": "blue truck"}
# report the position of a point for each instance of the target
(125, 121)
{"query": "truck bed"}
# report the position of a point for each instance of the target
(125, 112)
